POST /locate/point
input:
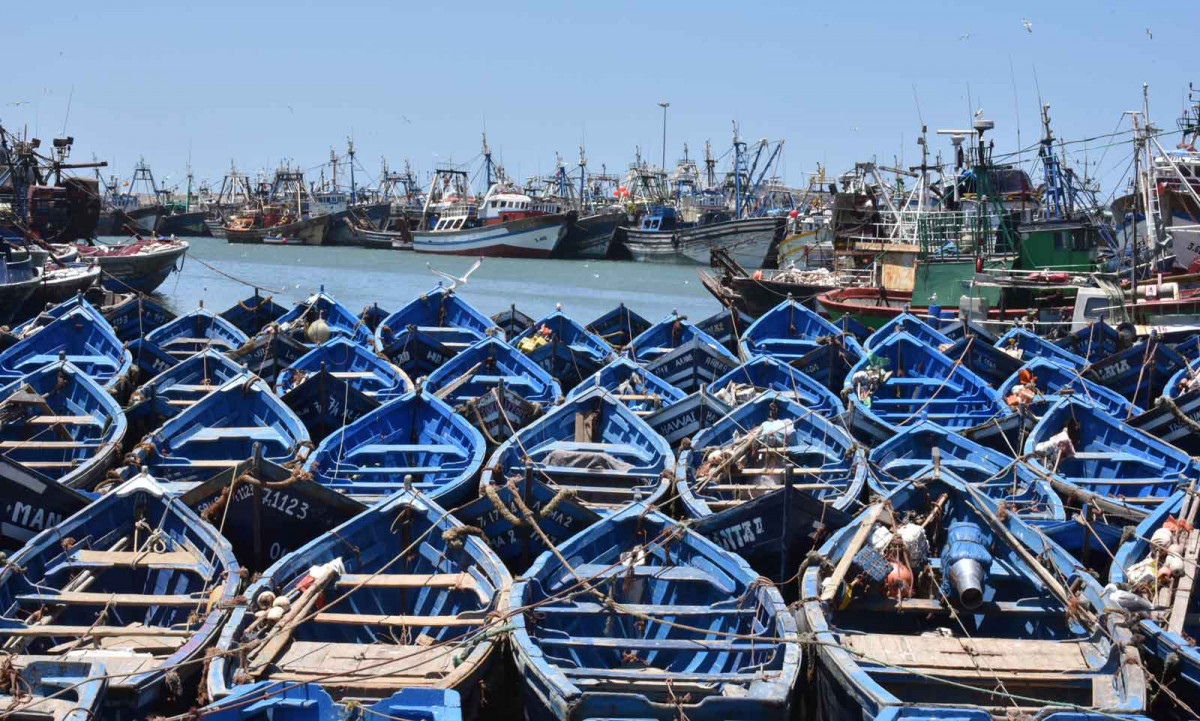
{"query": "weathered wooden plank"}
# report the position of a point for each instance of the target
(140, 558)
(371, 619)
(93, 631)
(119, 599)
(457, 581)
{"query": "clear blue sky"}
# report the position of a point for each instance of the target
(835, 79)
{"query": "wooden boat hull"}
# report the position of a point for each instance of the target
(324, 403)
(309, 702)
(535, 237)
(694, 364)
(183, 224)
(590, 236)
(685, 418)
(84, 338)
(59, 285)
(136, 316)
(32, 503)
(1169, 419)
(142, 271)
(749, 241)
(310, 231)
(253, 314)
(343, 232)
(619, 326)
(267, 354)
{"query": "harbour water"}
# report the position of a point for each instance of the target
(359, 277)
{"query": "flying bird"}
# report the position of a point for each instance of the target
(1028, 25)
(965, 36)
(405, 119)
(291, 109)
(18, 103)
(1149, 34)
(456, 281)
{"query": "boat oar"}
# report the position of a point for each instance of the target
(281, 635)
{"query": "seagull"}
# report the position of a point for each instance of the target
(1028, 25)
(405, 119)
(979, 113)
(965, 36)
(1149, 34)
(18, 103)
(456, 281)
(291, 109)
(1125, 602)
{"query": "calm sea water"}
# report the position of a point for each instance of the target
(359, 277)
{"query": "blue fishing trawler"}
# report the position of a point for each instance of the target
(673, 626)
(415, 441)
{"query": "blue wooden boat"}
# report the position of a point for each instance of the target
(136, 316)
(176, 389)
(319, 318)
(219, 431)
(79, 337)
(192, 332)
(1139, 373)
(268, 353)
(924, 448)
(1025, 346)
(372, 316)
(675, 627)
(1189, 347)
(829, 364)
(61, 423)
(1054, 379)
(148, 359)
(683, 419)
(33, 502)
(1158, 562)
(565, 349)
(53, 690)
(267, 510)
(933, 596)
(959, 329)
(346, 360)
(727, 327)
(254, 313)
(399, 596)
(681, 354)
(644, 392)
(770, 479)
(276, 700)
(847, 325)
(48, 315)
(767, 374)
(905, 380)
(969, 713)
(1090, 456)
(1173, 415)
(512, 321)
(592, 445)
(912, 325)
(135, 581)
(324, 403)
(1096, 342)
(619, 326)
(430, 330)
(986, 361)
(788, 331)
(416, 440)
(19, 280)
(496, 387)
(585, 457)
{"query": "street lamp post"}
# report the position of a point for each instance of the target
(664, 106)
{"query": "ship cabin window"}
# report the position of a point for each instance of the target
(493, 205)
(1096, 308)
